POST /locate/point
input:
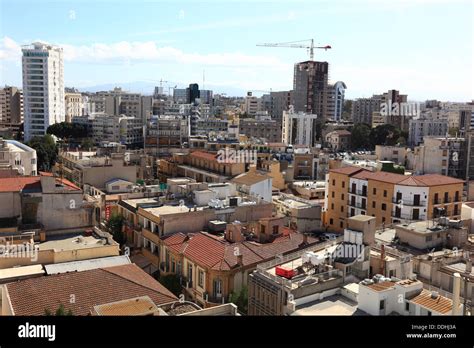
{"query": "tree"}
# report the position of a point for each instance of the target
(46, 151)
(388, 134)
(66, 130)
(60, 312)
(240, 299)
(171, 282)
(115, 224)
(87, 143)
(347, 110)
(360, 136)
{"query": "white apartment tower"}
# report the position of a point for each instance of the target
(43, 88)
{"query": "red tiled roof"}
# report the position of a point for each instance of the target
(17, 184)
(204, 155)
(349, 170)
(218, 254)
(437, 179)
(94, 287)
(438, 304)
(391, 178)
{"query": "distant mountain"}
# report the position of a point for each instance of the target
(147, 88)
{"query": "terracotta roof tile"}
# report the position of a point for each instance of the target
(204, 155)
(381, 286)
(439, 304)
(437, 179)
(250, 178)
(90, 288)
(350, 170)
(17, 184)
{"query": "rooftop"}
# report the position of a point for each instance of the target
(250, 178)
(78, 241)
(135, 306)
(85, 265)
(94, 287)
(438, 304)
(332, 305)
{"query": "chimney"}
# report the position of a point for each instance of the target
(240, 260)
(456, 293)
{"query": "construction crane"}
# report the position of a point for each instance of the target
(295, 44)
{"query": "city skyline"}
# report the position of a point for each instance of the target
(181, 42)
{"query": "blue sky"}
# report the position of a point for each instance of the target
(424, 48)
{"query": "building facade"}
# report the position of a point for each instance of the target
(43, 88)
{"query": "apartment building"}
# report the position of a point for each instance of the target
(338, 140)
(74, 105)
(389, 197)
(87, 167)
(335, 100)
(17, 158)
(396, 154)
(363, 108)
(279, 102)
(262, 129)
(299, 128)
(213, 267)
(252, 104)
(43, 88)
(11, 107)
(420, 128)
(441, 155)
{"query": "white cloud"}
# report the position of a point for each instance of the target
(147, 51)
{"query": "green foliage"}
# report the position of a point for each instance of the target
(453, 131)
(87, 143)
(66, 130)
(115, 224)
(171, 282)
(60, 312)
(46, 151)
(240, 299)
(365, 137)
(360, 136)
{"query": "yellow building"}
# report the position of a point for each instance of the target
(390, 198)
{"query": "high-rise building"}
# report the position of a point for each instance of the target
(280, 101)
(310, 88)
(363, 108)
(335, 100)
(11, 107)
(193, 92)
(299, 128)
(43, 88)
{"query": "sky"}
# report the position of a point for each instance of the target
(424, 48)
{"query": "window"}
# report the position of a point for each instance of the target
(384, 206)
(332, 206)
(342, 196)
(190, 272)
(201, 278)
(217, 288)
(342, 209)
(373, 204)
(385, 193)
(407, 306)
(333, 182)
(341, 224)
(343, 184)
(331, 221)
(275, 229)
(374, 191)
(332, 194)
(382, 305)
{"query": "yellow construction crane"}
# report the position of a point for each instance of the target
(295, 44)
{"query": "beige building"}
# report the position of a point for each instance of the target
(396, 154)
(73, 105)
(11, 107)
(86, 167)
(338, 140)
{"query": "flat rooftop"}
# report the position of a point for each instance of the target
(423, 227)
(138, 201)
(460, 267)
(332, 305)
(171, 209)
(385, 236)
(71, 243)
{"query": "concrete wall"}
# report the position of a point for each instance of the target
(10, 204)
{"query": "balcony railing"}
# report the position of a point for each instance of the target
(396, 215)
(409, 202)
(443, 200)
(358, 192)
(357, 205)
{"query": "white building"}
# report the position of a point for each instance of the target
(74, 104)
(335, 100)
(419, 128)
(18, 157)
(252, 104)
(43, 88)
(254, 184)
(298, 128)
(383, 296)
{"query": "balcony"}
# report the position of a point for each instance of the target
(358, 192)
(146, 233)
(442, 200)
(357, 205)
(152, 257)
(405, 216)
(409, 202)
